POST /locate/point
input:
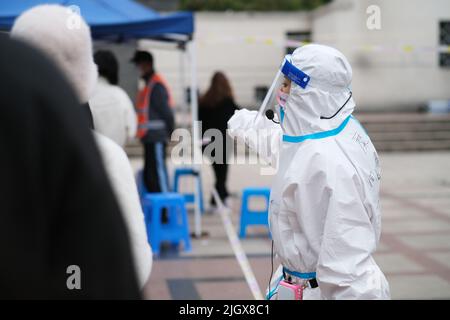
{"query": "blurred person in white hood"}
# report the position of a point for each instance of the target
(112, 109)
(324, 214)
(47, 28)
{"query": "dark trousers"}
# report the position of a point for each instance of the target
(221, 172)
(155, 170)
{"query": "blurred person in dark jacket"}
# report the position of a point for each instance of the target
(216, 107)
(71, 51)
(58, 211)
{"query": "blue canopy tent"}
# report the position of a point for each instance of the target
(121, 20)
(113, 19)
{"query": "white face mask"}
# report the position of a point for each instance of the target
(282, 98)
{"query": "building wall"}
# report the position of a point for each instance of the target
(393, 68)
(248, 47)
(396, 67)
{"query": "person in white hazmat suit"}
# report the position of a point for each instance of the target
(47, 28)
(324, 214)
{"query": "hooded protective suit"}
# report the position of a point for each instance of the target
(325, 216)
(48, 28)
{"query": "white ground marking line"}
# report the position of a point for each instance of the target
(241, 257)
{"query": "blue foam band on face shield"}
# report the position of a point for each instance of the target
(295, 74)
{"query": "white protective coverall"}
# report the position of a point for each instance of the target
(71, 50)
(324, 214)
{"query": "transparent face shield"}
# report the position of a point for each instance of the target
(278, 93)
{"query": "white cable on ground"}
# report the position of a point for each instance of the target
(241, 257)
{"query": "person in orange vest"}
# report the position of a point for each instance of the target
(155, 122)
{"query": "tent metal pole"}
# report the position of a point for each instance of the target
(196, 147)
(183, 103)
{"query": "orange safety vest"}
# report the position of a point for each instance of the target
(143, 103)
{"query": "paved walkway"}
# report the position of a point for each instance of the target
(414, 251)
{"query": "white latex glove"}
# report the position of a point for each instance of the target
(255, 133)
(241, 121)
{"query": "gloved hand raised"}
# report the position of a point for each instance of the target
(259, 133)
(241, 120)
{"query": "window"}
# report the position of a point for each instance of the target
(296, 37)
(260, 93)
(444, 41)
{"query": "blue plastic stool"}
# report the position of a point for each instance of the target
(177, 227)
(249, 217)
(152, 205)
(188, 197)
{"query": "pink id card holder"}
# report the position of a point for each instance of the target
(289, 291)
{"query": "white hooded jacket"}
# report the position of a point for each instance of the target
(113, 112)
(325, 215)
(70, 47)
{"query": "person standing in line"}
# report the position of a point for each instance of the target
(111, 107)
(62, 233)
(71, 51)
